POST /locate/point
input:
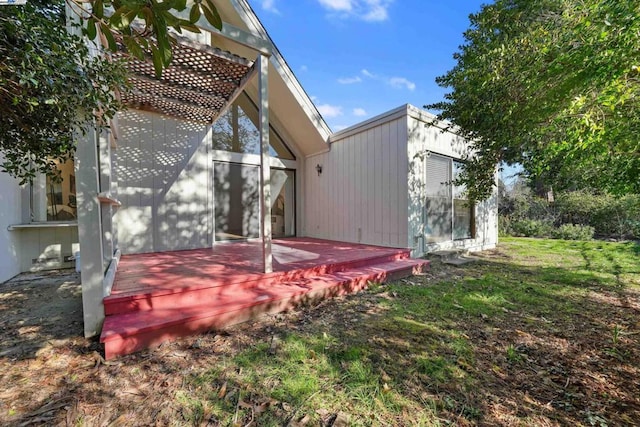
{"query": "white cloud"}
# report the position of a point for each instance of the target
(338, 5)
(349, 80)
(359, 112)
(338, 128)
(366, 73)
(396, 82)
(270, 6)
(328, 110)
(304, 68)
(367, 10)
(400, 82)
(377, 11)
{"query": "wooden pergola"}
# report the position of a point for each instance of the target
(200, 84)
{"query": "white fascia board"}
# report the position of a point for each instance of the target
(240, 36)
(431, 119)
(388, 116)
(404, 110)
(277, 60)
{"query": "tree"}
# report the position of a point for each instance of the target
(136, 20)
(553, 85)
(51, 85)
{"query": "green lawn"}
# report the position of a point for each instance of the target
(536, 333)
(539, 331)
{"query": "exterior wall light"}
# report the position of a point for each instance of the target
(319, 169)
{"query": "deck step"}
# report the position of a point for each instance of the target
(125, 333)
(193, 290)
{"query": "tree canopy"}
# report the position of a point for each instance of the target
(553, 85)
(50, 85)
(136, 20)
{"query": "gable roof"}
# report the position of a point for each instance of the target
(293, 112)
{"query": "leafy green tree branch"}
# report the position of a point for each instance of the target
(552, 85)
(50, 84)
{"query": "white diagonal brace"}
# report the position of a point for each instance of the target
(236, 93)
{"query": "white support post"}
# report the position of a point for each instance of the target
(89, 215)
(265, 164)
(104, 160)
(90, 232)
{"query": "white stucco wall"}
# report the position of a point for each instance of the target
(24, 249)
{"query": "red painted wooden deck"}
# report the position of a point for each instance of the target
(159, 296)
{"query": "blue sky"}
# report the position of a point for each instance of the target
(360, 58)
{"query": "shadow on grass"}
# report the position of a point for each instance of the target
(500, 342)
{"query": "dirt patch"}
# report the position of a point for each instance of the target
(39, 310)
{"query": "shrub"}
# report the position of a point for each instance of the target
(609, 216)
(504, 226)
(532, 228)
(573, 232)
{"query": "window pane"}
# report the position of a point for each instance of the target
(438, 221)
(236, 201)
(61, 194)
(462, 212)
(459, 191)
(237, 131)
(282, 203)
(438, 200)
(461, 219)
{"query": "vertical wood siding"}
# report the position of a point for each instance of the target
(424, 138)
(164, 184)
(361, 194)
(47, 245)
(372, 187)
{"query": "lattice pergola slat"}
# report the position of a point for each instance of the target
(196, 86)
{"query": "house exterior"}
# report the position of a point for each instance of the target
(385, 182)
(181, 169)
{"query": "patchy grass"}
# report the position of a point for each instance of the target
(537, 332)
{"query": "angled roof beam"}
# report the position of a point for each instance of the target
(236, 93)
(235, 34)
(202, 111)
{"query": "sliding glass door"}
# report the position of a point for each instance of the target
(283, 218)
(236, 188)
(236, 192)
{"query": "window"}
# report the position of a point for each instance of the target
(438, 201)
(448, 213)
(54, 199)
(462, 209)
(237, 131)
(236, 189)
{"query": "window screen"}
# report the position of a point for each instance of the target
(438, 199)
(448, 214)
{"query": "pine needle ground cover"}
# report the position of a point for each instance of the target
(536, 332)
